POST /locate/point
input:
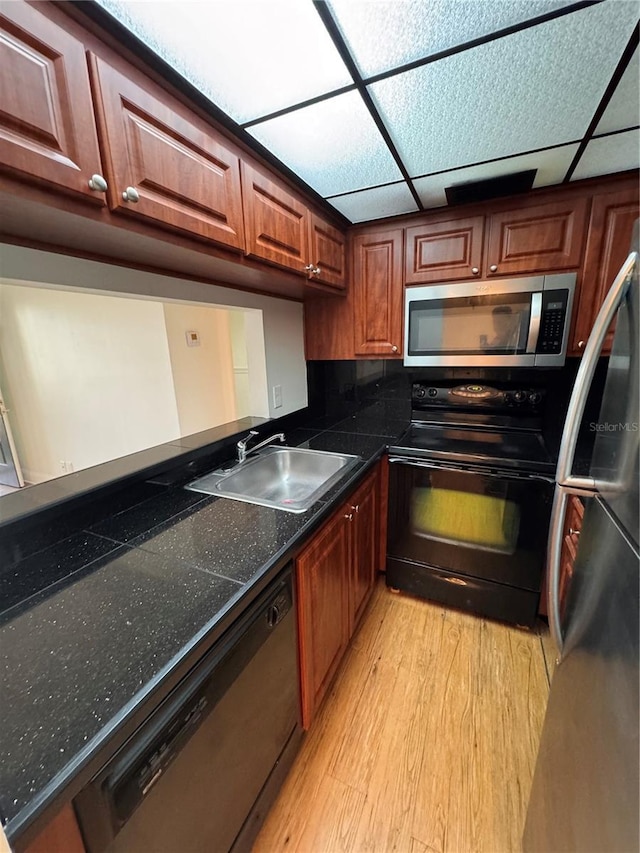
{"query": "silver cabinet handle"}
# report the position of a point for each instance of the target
(131, 194)
(394, 349)
(316, 271)
(349, 516)
(475, 270)
(356, 508)
(493, 268)
(98, 184)
(573, 532)
(580, 344)
(309, 267)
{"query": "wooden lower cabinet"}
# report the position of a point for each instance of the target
(572, 528)
(61, 835)
(335, 577)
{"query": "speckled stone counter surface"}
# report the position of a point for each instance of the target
(95, 627)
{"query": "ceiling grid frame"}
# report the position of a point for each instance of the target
(331, 23)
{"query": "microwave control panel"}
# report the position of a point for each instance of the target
(554, 315)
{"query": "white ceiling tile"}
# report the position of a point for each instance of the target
(529, 90)
(334, 145)
(609, 154)
(552, 166)
(388, 33)
(624, 107)
(376, 203)
(249, 58)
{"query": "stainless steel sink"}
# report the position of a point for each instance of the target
(288, 478)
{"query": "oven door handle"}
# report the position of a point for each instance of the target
(484, 472)
(534, 322)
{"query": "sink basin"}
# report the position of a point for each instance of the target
(287, 478)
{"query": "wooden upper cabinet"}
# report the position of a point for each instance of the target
(171, 168)
(276, 221)
(378, 293)
(327, 253)
(536, 239)
(612, 219)
(47, 125)
(444, 250)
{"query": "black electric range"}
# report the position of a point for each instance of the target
(470, 486)
(477, 425)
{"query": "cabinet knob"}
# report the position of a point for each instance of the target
(573, 532)
(356, 508)
(131, 194)
(580, 344)
(349, 516)
(394, 349)
(475, 270)
(309, 267)
(493, 268)
(98, 184)
(316, 271)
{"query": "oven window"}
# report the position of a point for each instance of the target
(470, 325)
(486, 522)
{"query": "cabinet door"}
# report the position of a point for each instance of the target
(61, 835)
(47, 125)
(327, 252)
(183, 176)
(276, 221)
(612, 218)
(378, 293)
(365, 508)
(444, 251)
(322, 571)
(537, 239)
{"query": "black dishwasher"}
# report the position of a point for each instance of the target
(200, 773)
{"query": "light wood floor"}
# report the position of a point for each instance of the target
(426, 742)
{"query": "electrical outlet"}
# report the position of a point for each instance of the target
(277, 396)
(66, 467)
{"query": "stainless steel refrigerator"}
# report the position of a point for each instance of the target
(585, 793)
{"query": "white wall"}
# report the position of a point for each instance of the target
(202, 375)
(57, 349)
(280, 355)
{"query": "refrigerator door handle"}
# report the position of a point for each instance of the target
(554, 551)
(584, 378)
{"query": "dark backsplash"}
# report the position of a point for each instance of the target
(340, 388)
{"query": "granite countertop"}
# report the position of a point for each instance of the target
(95, 627)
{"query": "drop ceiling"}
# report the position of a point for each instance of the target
(379, 105)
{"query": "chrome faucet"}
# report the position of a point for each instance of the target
(242, 444)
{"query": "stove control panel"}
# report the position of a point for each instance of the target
(425, 396)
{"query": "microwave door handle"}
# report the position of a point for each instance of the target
(534, 321)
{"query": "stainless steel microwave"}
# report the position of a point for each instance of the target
(512, 322)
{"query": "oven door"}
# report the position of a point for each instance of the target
(471, 538)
